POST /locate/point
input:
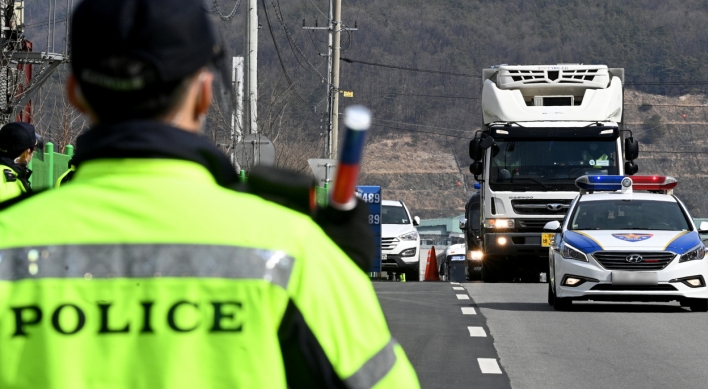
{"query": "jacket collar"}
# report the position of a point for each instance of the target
(152, 139)
(23, 173)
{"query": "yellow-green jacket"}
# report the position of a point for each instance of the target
(10, 185)
(144, 273)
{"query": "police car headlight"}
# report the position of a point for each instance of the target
(409, 236)
(570, 252)
(698, 252)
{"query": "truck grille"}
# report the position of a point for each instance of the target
(541, 207)
(389, 243)
(532, 225)
(617, 260)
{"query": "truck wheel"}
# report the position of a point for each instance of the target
(698, 305)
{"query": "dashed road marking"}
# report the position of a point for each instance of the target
(489, 366)
(477, 332)
(468, 311)
(463, 297)
(457, 288)
(455, 283)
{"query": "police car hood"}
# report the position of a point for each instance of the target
(589, 241)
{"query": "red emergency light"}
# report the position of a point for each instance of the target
(653, 182)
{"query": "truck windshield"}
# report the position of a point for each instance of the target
(628, 215)
(394, 215)
(545, 165)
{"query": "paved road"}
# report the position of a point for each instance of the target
(445, 338)
(597, 345)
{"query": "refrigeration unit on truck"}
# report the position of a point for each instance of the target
(544, 126)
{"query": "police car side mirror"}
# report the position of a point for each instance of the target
(463, 224)
(416, 221)
(554, 226)
(703, 228)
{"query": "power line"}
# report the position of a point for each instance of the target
(348, 60)
(424, 132)
(392, 95)
(228, 16)
(418, 125)
(280, 59)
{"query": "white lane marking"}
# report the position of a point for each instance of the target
(489, 366)
(455, 283)
(457, 288)
(463, 297)
(477, 331)
(468, 311)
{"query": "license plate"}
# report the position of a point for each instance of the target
(546, 239)
(634, 278)
(384, 256)
(457, 258)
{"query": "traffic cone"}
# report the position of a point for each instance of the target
(431, 268)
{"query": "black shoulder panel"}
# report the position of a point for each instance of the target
(306, 365)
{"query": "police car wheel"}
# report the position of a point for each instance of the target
(561, 303)
(698, 305)
(551, 296)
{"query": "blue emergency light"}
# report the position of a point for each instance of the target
(600, 183)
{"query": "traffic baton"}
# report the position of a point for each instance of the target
(357, 120)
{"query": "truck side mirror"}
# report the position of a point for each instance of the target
(630, 168)
(478, 145)
(552, 226)
(631, 149)
(463, 224)
(476, 168)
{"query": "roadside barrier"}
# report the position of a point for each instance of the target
(46, 172)
(431, 267)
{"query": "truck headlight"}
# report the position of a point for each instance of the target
(499, 223)
(413, 235)
(570, 252)
(695, 253)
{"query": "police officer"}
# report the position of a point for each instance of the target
(17, 144)
(146, 272)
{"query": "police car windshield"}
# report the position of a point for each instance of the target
(540, 162)
(394, 215)
(628, 215)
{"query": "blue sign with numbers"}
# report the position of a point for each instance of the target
(372, 196)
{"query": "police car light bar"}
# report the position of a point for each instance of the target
(615, 183)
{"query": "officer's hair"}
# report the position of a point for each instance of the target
(152, 99)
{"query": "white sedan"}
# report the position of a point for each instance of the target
(621, 245)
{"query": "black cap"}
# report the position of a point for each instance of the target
(129, 45)
(17, 137)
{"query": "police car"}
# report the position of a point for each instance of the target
(627, 239)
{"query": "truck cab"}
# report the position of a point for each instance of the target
(544, 126)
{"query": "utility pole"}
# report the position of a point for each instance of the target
(237, 113)
(333, 28)
(335, 76)
(251, 107)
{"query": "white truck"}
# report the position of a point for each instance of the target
(544, 126)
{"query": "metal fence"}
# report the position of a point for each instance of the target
(46, 172)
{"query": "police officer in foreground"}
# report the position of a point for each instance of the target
(18, 142)
(161, 277)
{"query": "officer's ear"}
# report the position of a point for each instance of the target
(73, 92)
(204, 93)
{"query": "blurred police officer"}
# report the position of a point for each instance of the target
(17, 144)
(146, 272)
